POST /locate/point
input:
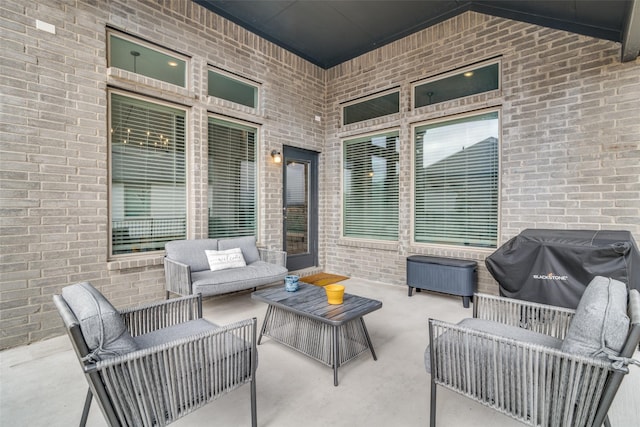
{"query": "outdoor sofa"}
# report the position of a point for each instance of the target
(218, 266)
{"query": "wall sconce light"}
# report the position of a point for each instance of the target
(277, 157)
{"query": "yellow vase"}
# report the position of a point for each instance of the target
(335, 293)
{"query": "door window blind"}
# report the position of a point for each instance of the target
(232, 179)
(148, 196)
(456, 181)
(370, 183)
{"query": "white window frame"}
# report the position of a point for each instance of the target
(456, 72)
(187, 166)
(258, 194)
(342, 185)
(499, 181)
(256, 85)
(368, 98)
(155, 47)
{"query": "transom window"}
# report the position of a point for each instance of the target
(457, 84)
(232, 88)
(456, 173)
(371, 107)
(371, 170)
(148, 191)
(232, 194)
(131, 54)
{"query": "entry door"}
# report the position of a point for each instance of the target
(300, 207)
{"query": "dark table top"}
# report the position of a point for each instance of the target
(311, 301)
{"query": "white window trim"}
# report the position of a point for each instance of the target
(260, 160)
(345, 104)
(473, 249)
(455, 72)
(388, 244)
(247, 81)
(157, 48)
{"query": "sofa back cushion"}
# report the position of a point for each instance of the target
(101, 324)
(247, 244)
(191, 252)
(600, 325)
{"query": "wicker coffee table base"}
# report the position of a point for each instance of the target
(332, 345)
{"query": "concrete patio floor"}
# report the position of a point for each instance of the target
(42, 385)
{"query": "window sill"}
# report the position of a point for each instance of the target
(369, 244)
(139, 261)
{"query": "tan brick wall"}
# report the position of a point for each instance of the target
(570, 146)
(570, 149)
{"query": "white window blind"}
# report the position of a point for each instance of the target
(370, 182)
(232, 179)
(148, 196)
(456, 181)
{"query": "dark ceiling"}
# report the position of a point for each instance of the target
(328, 33)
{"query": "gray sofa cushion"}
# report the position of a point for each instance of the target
(600, 325)
(101, 324)
(234, 279)
(506, 331)
(191, 252)
(247, 244)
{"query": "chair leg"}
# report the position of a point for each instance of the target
(432, 410)
(254, 409)
(87, 406)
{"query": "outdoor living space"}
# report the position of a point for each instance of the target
(42, 384)
(129, 124)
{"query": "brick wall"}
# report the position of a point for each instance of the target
(570, 149)
(54, 149)
(570, 138)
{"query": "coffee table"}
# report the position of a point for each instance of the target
(305, 321)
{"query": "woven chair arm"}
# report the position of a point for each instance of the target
(542, 318)
(273, 256)
(158, 385)
(533, 383)
(150, 317)
(177, 277)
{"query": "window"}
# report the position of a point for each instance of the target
(148, 191)
(457, 84)
(370, 181)
(232, 179)
(456, 181)
(232, 89)
(138, 57)
(371, 107)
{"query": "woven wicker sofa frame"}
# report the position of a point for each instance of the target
(539, 386)
(126, 387)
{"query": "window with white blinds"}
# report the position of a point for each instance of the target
(456, 173)
(148, 191)
(232, 194)
(370, 186)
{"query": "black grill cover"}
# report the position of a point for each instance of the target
(554, 266)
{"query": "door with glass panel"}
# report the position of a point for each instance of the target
(300, 207)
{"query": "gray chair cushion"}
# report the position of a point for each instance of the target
(101, 324)
(191, 252)
(174, 332)
(247, 244)
(600, 325)
(499, 329)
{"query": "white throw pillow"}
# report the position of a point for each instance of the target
(221, 260)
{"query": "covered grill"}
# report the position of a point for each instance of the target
(554, 266)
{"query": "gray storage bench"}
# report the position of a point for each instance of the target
(188, 270)
(448, 275)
